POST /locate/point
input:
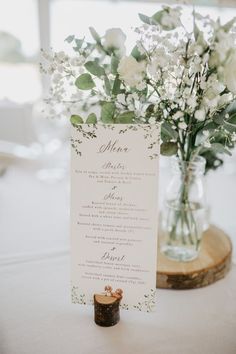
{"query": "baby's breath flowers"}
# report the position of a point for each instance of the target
(193, 77)
(186, 80)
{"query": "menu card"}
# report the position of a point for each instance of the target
(114, 214)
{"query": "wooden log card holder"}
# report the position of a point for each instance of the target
(107, 307)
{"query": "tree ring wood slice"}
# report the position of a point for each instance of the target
(106, 310)
(212, 264)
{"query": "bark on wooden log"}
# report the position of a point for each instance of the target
(213, 263)
(106, 310)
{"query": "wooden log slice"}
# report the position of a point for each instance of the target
(106, 310)
(212, 264)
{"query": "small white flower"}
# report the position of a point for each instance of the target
(47, 56)
(214, 60)
(182, 125)
(200, 115)
(115, 38)
(77, 61)
(233, 138)
(152, 120)
(205, 58)
(212, 104)
(207, 144)
(130, 107)
(225, 99)
(140, 113)
(129, 99)
(186, 92)
(198, 49)
(61, 56)
(134, 96)
(131, 71)
(177, 115)
(192, 102)
(141, 86)
(203, 83)
(206, 133)
(121, 98)
(196, 67)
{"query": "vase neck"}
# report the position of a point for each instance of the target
(195, 167)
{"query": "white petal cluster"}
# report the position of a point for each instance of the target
(115, 38)
(131, 71)
(200, 115)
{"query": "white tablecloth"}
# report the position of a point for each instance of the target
(36, 316)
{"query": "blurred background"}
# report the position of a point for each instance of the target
(28, 25)
(34, 151)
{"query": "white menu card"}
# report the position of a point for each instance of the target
(114, 215)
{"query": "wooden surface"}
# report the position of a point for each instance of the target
(105, 299)
(212, 264)
(106, 310)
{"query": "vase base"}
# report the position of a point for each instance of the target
(179, 254)
(212, 263)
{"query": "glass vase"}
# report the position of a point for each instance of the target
(184, 212)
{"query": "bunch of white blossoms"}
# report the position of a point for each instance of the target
(185, 79)
(191, 77)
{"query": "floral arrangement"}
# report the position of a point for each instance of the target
(186, 80)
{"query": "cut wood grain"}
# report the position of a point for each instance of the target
(212, 264)
(106, 310)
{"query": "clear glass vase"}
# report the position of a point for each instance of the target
(184, 212)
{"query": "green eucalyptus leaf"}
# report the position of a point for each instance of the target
(126, 117)
(150, 110)
(232, 119)
(70, 39)
(137, 55)
(231, 108)
(107, 112)
(169, 148)
(91, 119)
(196, 31)
(116, 86)
(211, 126)
(75, 119)
(230, 127)
(157, 18)
(145, 19)
(228, 25)
(79, 43)
(94, 68)
(167, 130)
(95, 35)
(107, 85)
(114, 64)
(219, 118)
(85, 82)
(198, 127)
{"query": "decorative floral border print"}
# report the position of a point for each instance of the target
(146, 304)
(88, 131)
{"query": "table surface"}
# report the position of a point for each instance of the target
(36, 316)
